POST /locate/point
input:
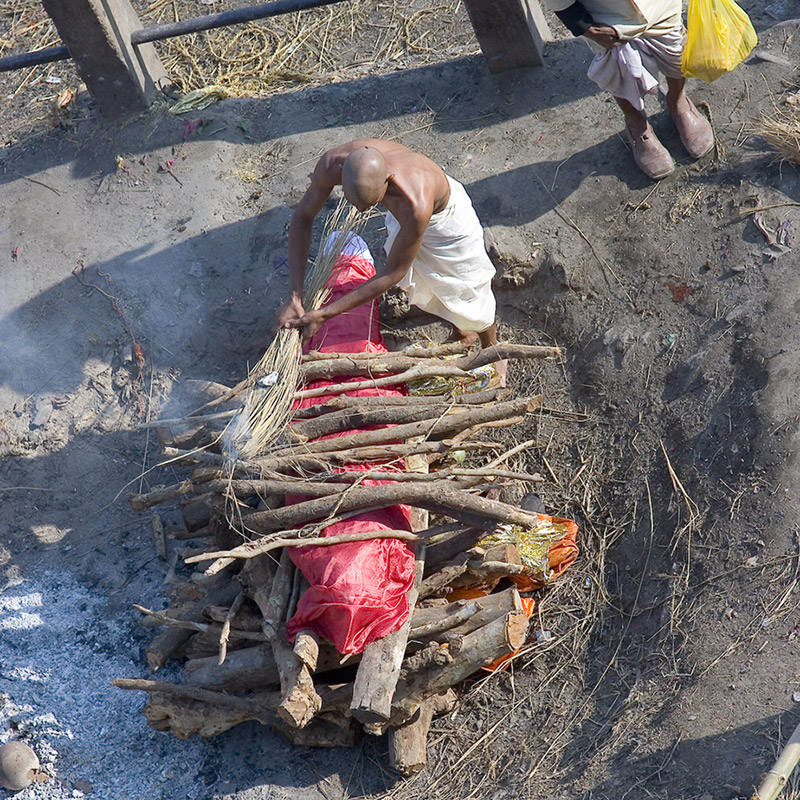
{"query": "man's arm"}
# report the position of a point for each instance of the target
(405, 247)
(299, 244)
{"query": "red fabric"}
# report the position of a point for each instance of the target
(358, 591)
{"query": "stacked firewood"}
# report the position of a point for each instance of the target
(228, 622)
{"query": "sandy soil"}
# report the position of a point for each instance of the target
(678, 325)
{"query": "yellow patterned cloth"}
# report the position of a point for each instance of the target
(533, 544)
(475, 381)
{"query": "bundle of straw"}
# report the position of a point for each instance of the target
(782, 132)
(267, 407)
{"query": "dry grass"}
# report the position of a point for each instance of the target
(307, 47)
(263, 57)
(782, 133)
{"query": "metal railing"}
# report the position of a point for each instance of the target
(169, 30)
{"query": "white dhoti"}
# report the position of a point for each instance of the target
(451, 275)
(629, 70)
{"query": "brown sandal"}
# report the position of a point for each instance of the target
(650, 155)
(695, 131)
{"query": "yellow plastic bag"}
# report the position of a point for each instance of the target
(719, 37)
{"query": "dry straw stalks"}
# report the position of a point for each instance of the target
(267, 408)
(782, 132)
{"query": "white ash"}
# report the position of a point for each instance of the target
(59, 652)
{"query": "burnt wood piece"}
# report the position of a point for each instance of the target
(221, 591)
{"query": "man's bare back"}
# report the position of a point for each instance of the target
(370, 171)
(408, 184)
(416, 183)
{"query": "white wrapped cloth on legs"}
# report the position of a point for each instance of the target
(451, 276)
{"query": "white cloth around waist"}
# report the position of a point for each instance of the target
(630, 70)
(451, 275)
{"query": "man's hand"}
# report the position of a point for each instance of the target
(292, 309)
(309, 323)
(604, 36)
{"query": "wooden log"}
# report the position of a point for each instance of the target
(384, 454)
(350, 420)
(417, 372)
(299, 702)
(200, 419)
(306, 649)
(444, 577)
(398, 476)
(344, 402)
(159, 539)
(262, 546)
(408, 743)
(488, 572)
(189, 711)
(250, 668)
(501, 636)
(355, 455)
(256, 578)
(200, 627)
(447, 620)
(245, 619)
(490, 608)
(141, 502)
(469, 508)
(225, 633)
(381, 660)
(435, 351)
(446, 550)
(163, 646)
(398, 363)
(463, 616)
(439, 427)
(194, 438)
(206, 644)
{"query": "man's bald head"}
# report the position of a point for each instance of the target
(364, 177)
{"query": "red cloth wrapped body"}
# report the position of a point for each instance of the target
(358, 591)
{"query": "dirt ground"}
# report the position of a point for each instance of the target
(673, 668)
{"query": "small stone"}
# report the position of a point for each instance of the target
(44, 408)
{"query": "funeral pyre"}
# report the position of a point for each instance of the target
(356, 571)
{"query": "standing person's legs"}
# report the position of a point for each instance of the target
(694, 129)
(649, 154)
(488, 339)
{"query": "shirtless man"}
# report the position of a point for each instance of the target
(434, 246)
